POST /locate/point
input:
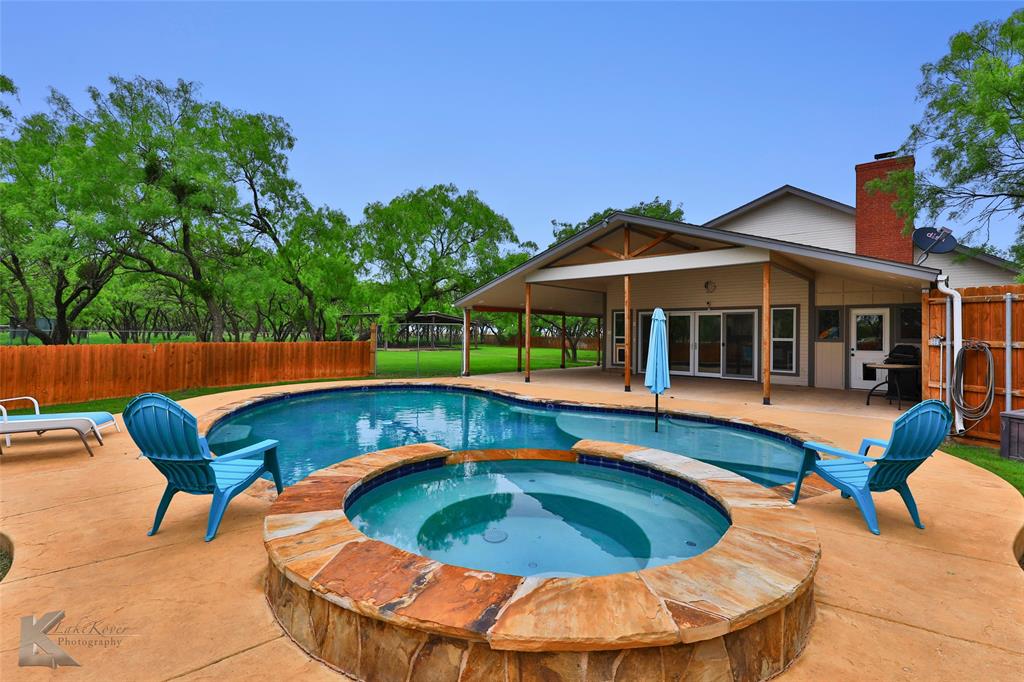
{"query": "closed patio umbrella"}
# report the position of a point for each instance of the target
(656, 378)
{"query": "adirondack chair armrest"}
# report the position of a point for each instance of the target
(3, 412)
(249, 451)
(832, 450)
(866, 444)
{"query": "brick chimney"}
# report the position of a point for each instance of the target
(879, 228)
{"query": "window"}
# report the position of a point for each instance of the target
(908, 323)
(828, 328)
(618, 337)
(784, 340)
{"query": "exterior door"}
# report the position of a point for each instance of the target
(869, 342)
(740, 354)
(680, 343)
(709, 344)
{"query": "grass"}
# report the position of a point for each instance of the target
(393, 364)
(483, 360)
(5, 563)
(1009, 470)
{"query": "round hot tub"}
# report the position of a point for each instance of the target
(540, 518)
(607, 562)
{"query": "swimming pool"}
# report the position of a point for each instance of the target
(538, 518)
(324, 427)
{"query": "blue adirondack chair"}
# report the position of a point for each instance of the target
(915, 435)
(167, 435)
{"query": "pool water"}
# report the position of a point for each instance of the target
(323, 428)
(538, 518)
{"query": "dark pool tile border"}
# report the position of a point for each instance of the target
(650, 472)
(398, 472)
(537, 403)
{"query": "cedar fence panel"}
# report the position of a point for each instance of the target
(68, 374)
(984, 319)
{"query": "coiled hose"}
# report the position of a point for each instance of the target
(977, 412)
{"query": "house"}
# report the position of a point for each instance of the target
(790, 288)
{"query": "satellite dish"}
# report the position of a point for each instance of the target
(934, 239)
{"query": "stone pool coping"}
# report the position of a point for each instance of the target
(764, 562)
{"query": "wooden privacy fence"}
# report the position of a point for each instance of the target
(984, 319)
(68, 374)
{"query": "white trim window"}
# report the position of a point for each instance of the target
(783, 346)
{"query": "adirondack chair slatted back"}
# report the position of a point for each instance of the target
(168, 436)
(915, 435)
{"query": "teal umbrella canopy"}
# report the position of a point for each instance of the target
(656, 378)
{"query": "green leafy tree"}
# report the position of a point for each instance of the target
(313, 249)
(973, 128)
(61, 222)
(656, 208)
(430, 245)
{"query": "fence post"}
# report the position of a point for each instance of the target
(373, 348)
(1009, 350)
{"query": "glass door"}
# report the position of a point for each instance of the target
(869, 344)
(740, 357)
(680, 343)
(709, 344)
(643, 343)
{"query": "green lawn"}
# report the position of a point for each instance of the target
(988, 458)
(483, 360)
(390, 364)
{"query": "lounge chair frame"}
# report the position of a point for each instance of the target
(51, 422)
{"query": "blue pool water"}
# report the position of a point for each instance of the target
(323, 428)
(538, 518)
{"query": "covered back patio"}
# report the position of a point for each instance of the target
(746, 314)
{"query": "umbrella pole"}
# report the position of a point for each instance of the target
(655, 412)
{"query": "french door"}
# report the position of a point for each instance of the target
(708, 344)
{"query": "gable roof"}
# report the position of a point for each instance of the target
(785, 190)
(620, 219)
(989, 258)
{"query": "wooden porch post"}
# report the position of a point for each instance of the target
(466, 332)
(766, 335)
(519, 343)
(600, 339)
(626, 317)
(563, 340)
(528, 333)
(629, 336)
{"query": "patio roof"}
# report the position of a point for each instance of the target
(702, 247)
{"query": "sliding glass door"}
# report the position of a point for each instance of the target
(739, 344)
(680, 343)
(709, 344)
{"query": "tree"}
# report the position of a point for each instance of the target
(430, 245)
(61, 222)
(313, 249)
(656, 208)
(973, 127)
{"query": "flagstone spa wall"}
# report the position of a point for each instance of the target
(742, 610)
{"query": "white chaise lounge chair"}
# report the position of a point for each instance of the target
(82, 422)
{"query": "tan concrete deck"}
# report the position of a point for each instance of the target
(946, 603)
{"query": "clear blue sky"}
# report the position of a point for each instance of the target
(548, 110)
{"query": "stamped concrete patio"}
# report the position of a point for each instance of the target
(946, 603)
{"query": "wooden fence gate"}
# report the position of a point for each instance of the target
(984, 319)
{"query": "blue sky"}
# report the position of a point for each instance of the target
(548, 110)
